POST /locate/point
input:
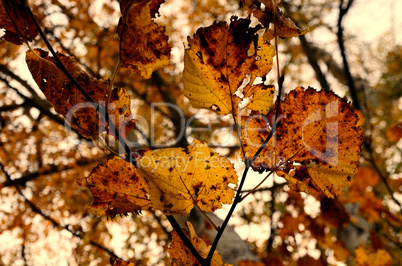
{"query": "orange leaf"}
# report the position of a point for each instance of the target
(117, 262)
(16, 20)
(143, 44)
(221, 59)
(366, 257)
(317, 130)
(394, 133)
(180, 254)
(70, 102)
(178, 180)
(117, 188)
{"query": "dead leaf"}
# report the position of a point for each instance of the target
(180, 254)
(317, 130)
(143, 44)
(285, 27)
(178, 180)
(117, 188)
(16, 20)
(71, 103)
(394, 133)
(222, 59)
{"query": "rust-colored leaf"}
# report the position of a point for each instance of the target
(318, 131)
(222, 59)
(394, 133)
(16, 20)
(178, 180)
(180, 254)
(143, 44)
(117, 188)
(71, 103)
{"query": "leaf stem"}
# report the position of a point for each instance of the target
(100, 108)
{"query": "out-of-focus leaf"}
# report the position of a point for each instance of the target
(367, 257)
(178, 180)
(117, 188)
(71, 103)
(222, 59)
(394, 133)
(180, 254)
(117, 262)
(317, 130)
(143, 44)
(15, 19)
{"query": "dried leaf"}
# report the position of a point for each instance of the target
(317, 130)
(71, 103)
(221, 59)
(180, 254)
(394, 133)
(143, 44)
(178, 180)
(117, 188)
(285, 27)
(16, 20)
(117, 262)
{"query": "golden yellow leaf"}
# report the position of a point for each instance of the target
(219, 60)
(262, 98)
(178, 180)
(367, 257)
(143, 44)
(180, 254)
(71, 103)
(317, 130)
(117, 188)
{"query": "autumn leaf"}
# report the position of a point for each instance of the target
(71, 103)
(316, 145)
(180, 254)
(178, 181)
(118, 262)
(16, 20)
(285, 27)
(366, 257)
(117, 188)
(143, 44)
(394, 133)
(222, 59)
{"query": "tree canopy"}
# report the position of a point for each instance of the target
(197, 132)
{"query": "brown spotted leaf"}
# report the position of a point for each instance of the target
(178, 181)
(181, 255)
(318, 132)
(220, 59)
(117, 188)
(16, 20)
(143, 44)
(71, 103)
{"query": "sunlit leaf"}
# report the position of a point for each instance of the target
(318, 132)
(117, 188)
(219, 60)
(15, 19)
(179, 180)
(143, 44)
(180, 254)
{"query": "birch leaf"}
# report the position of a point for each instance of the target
(178, 181)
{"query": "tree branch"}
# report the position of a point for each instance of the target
(50, 219)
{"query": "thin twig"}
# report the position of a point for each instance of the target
(50, 219)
